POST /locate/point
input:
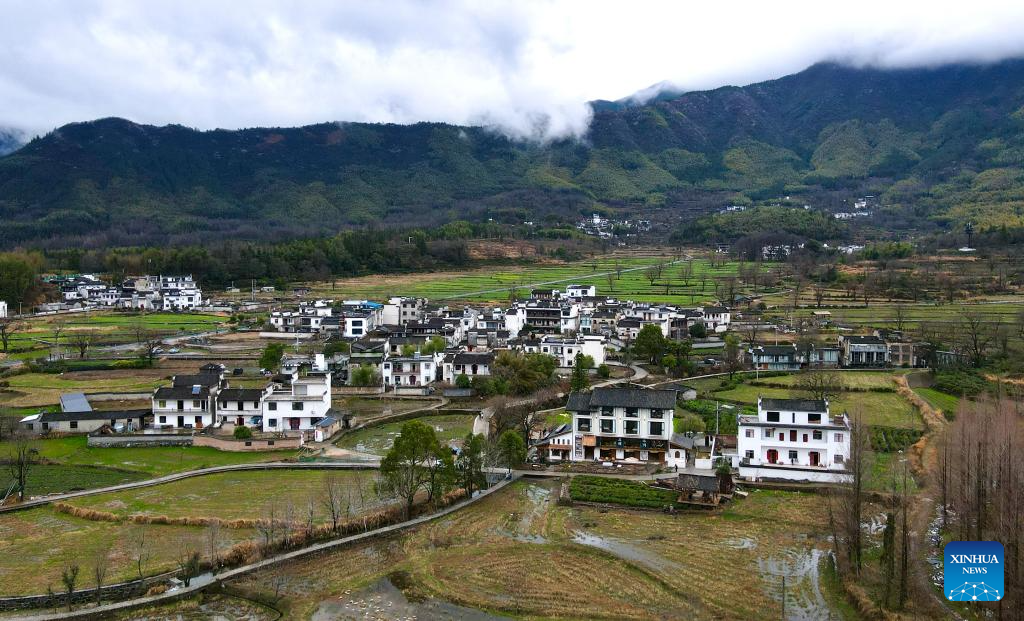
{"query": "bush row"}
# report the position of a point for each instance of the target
(892, 439)
(620, 492)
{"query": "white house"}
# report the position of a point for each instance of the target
(564, 350)
(400, 311)
(794, 440)
(716, 318)
(556, 444)
(470, 364)
(188, 403)
(296, 402)
(416, 370)
(3, 309)
(241, 406)
(632, 424)
(580, 291)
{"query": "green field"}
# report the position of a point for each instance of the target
(57, 478)
(949, 404)
(379, 438)
(236, 495)
(862, 380)
(880, 314)
(877, 408)
(150, 461)
(494, 284)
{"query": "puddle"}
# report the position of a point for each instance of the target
(385, 602)
(741, 543)
(625, 550)
(804, 600)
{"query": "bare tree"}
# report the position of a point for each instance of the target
(82, 340)
(820, 385)
(213, 543)
(100, 566)
(69, 578)
(899, 317)
(21, 458)
(976, 336)
(139, 546)
(332, 499)
(858, 467)
(8, 328)
(59, 326)
(819, 290)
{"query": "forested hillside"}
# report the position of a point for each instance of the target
(939, 146)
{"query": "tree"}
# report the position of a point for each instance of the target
(406, 469)
(139, 546)
(976, 336)
(364, 375)
(58, 327)
(434, 345)
(69, 577)
(463, 381)
(732, 355)
(689, 423)
(470, 463)
(698, 330)
(334, 500)
(21, 459)
(899, 317)
(511, 449)
(82, 341)
(100, 565)
(242, 432)
(8, 328)
(18, 278)
(852, 498)
(604, 371)
(820, 385)
(524, 373)
(271, 356)
(189, 562)
(650, 344)
(579, 380)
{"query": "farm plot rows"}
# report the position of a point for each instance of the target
(379, 438)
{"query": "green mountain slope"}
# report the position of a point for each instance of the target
(941, 146)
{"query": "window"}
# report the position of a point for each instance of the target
(297, 405)
(46, 426)
(607, 425)
(792, 435)
(805, 437)
(632, 412)
(607, 411)
(657, 414)
(767, 433)
(582, 424)
(749, 454)
(29, 426)
(792, 456)
(271, 406)
(270, 443)
(749, 433)
(199, 420)
(271, 422)
(773, 417)
(657, 428)
(74, 424)
(838, 437)
(162, 404)
(838, 459)
(814, 418)
(632, 427)
(163, 419)
(195, 404)
(816, 435)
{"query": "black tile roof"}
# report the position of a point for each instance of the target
(240, 394)
(54, 417)
(473, 358)
(202, 379)
(181, 392)
(622, 398)
(799, 405)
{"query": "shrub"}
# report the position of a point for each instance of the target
(463, 381)
(961, 383)
(621, 492)
(604, 371)
(243, 433)
(892, 439)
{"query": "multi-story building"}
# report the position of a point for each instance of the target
(241, 406)
(188, 403)
(716, 318)
(863, 351)
(416, 370)
(775, 357)
(580, 291)
(793, 439)
(400, 311)
(470, 364)
(613, 424)
(564, 349)
(297, 402)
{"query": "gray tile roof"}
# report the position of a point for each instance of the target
(181, 392)
(202, 379)
(240, 394)
(53, 417)
(622, 398)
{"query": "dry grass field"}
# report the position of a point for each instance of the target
(518, 553)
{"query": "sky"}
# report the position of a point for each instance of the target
(525, 67)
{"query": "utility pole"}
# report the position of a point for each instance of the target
(783, 597)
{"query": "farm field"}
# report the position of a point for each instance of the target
(949, 404)
(379, 438)
(860, 380)
(493, 284)
(38, 389)
(878, 408)
(237, 495)
(151, 461)
(366, 408)
(36, 543)
(519, 553)
(57, 478)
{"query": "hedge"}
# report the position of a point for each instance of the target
(892, 439)
(621, 492)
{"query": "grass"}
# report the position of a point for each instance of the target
(36, 543)
(379, 438)
(38, 389)
(557, 417)
(860, 380)
(949, 404)
(152, 461)
(877, 408)
(58, 478)
(494, 283)
(237, 495)
(113, 327)
(519, 553)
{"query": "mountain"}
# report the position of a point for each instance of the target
(10, 140)
(939, 146)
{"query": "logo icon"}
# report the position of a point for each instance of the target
(973, 571)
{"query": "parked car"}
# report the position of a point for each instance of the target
(173, 350)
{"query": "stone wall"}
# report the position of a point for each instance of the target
(253, 444)
(125, 440)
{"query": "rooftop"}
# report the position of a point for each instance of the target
(622, 398)
(797, 405)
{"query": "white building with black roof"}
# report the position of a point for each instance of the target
(188, 403)
(793, 440)
(621, 424)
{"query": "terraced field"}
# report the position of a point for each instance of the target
(519, 553)
(56, 478)
(495, 283)
(379, 438)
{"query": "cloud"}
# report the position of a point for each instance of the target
(525, 67)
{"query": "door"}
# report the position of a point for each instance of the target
(181, 421)
(181, 406)
(814, 458)
(239, 420)
(773, 456)
(293, 423)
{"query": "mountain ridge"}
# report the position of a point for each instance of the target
(946, 142)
